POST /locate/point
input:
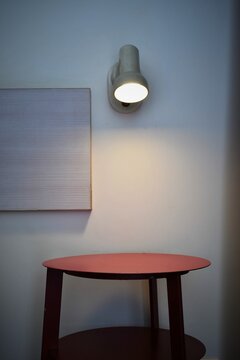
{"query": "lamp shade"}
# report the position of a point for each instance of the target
(127, 87)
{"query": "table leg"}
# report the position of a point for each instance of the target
(52, 314)
(153, 296)
(176, 317)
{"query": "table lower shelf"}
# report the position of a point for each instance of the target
(124, 343)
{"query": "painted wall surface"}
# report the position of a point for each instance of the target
(158, 174)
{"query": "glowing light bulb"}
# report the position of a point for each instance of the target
(131, 93)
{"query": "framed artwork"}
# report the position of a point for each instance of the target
(45, 149)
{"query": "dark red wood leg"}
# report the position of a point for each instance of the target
(52, 314)
(176, 317)
(153, 296)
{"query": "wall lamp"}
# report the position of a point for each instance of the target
(127, 88)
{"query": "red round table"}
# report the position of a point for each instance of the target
(118, 343)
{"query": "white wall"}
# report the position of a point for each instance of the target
(158, 174)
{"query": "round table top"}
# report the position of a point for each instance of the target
(127, 265)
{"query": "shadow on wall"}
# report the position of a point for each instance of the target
(231, 248)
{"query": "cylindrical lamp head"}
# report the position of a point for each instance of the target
(127, 88)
